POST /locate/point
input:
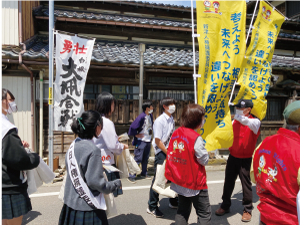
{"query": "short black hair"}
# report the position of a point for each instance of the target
(5, 92)
(166, 101)
(103, 103)
(146, 105)
(191, 116)
(85, 125)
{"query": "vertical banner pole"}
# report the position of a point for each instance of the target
(142, 49)
(249, 30)
(51, 45)
(194, 56)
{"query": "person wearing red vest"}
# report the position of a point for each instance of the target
(186, 158)
(246, 130)
(276, 170)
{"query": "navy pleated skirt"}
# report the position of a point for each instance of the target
(69, 216)
(16, 205)
(114, 176)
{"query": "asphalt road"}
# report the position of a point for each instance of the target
(132, 205)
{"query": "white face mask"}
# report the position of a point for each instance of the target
(12, 107)
(239, 112)
(171, 109)
(150, 111)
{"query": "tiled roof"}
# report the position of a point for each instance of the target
(127, 53)
(43, 11)
(113, 52)
(154, 5)
(110, 17)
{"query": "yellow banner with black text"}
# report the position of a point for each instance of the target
(221, 26)
(256, 70)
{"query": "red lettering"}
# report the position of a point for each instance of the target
(67, 46)
(82, 49)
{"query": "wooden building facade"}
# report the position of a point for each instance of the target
(119, 27)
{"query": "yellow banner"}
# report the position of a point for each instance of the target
(257, 69)
(221, 26)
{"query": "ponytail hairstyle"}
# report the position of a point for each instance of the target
(85, 126)
(103, 103)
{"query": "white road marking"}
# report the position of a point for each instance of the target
(43, 194)
(124, 188)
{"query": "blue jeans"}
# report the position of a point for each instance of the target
(141, 155)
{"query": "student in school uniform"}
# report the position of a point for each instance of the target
(163, 128)
(84, 202)
(141, 128)
(108, 140)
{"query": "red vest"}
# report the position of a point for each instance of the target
(244, 140)
(182, 167)
(275, 165)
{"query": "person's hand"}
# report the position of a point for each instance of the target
(139, 135)
(125, 146)
(25, 144)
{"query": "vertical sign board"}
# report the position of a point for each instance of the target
(221, 26)
(73, 57)
(256, 70)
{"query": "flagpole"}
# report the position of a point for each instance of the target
(51, 44)
(249, 30)
(194, 53)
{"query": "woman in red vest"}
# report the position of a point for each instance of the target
(276, 170)
(186, 159)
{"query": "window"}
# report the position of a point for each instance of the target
(91, 91)
(177, 95)
(275, 109)
(125, 92)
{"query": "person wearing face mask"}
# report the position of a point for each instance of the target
(246, 130)
(141, 129)
(163, 128)
(108, 140)
(186, 159)
(276, 171)
(84, 202)
(15, 160)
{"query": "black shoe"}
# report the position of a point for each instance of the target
(157, 213)
(131, 180)
(173, 206)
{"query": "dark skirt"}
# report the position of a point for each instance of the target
(69, 216)
(16, 205)
(114, 176)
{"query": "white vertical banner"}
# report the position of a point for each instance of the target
(73, 56)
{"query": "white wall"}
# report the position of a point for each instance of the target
(10, 33)
(20, 88)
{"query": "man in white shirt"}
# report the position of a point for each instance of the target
(163, 128)
(246, 129)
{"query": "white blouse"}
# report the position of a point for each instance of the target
(108, 142)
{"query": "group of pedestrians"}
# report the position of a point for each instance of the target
(274, 165)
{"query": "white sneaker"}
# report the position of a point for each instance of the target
(157, 213)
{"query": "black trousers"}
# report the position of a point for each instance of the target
(154, 196)
(201, 205)
(237, 167)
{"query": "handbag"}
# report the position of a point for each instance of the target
(122, 165)
(160, 184)
(111, 208)
(133, 167)
(62, 189)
